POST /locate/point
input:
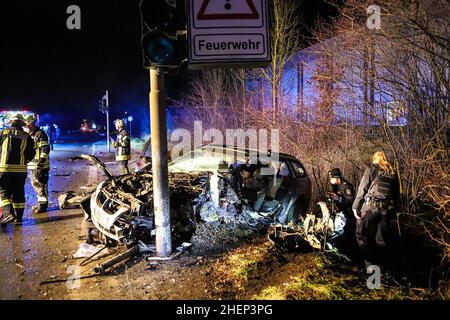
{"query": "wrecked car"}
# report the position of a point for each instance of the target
(228, 186)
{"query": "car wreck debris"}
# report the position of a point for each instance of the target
(319, 232)
(206, 190)
(70, 200)
(102, 268)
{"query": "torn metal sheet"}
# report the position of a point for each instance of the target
(319, 232)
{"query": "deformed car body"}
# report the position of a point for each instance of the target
(209, 185)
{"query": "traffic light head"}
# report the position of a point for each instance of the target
(164, 42)
(158, 48)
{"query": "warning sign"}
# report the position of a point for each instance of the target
(216, 10)
(231, 32)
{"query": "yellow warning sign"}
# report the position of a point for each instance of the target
(228, 10)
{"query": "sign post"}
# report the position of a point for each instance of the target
(161, 195)
(229, 33)
(130, 121)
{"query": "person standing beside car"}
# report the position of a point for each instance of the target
(374, 208)
(122, 146)
(16, 151)
(40, 166)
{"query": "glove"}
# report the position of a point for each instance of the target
(357, 214)
(41, 162)
(335, 197)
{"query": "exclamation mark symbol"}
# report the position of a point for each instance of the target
(228, 5)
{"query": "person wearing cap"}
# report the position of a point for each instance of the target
(40, 165)
(342, 194)
(341, 191)
(122, 146)
(16, 151)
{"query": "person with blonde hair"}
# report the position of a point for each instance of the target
(374, 208)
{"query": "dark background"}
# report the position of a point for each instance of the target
(61, 74)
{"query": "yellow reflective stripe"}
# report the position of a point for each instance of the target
(22, 152)
(13, 168)
(19, 205)
(123, 158)
(4, 150)
(5, 203)
(43, 144)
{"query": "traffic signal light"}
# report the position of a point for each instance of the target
(103, 105)
(164, 41)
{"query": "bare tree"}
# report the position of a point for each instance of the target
(285, 33)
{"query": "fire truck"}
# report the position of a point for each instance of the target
(4, 115)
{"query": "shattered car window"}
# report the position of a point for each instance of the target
(299, 170)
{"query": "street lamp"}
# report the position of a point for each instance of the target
(130, 120)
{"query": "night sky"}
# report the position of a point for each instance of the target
(64, 73)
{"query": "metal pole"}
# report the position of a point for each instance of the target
(108, 142)
(161, 196)
(107, 132)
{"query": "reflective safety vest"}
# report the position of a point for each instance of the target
(16, 150)
(42, 157)
(123, 146)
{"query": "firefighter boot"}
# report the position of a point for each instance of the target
(19, 215)
(40, 208)
(7, 215)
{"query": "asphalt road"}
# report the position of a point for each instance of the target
(35, 251)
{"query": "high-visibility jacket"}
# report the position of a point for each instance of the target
(42, 157)
(16, 150)
(123, 146)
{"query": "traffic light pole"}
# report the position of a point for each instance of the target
(161, 196)
(108, 137)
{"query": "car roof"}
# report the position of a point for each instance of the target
(245, 151)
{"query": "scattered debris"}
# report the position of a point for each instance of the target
(86, 251)
(319, 232)
(70, 200)
(101, 269)
(62, 174)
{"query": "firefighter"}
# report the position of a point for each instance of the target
(374, 207)
(16, 150)
(40, 166)
(122, 146)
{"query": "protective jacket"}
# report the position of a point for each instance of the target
(42, 146)
(377, 186)
(16, 150)
(346, 193)
(123, 146)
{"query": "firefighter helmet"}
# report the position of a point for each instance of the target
(31, 119)
(119, 123)
(17, 117)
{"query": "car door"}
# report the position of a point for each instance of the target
(301, 184)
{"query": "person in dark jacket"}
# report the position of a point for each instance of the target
(16, 151)
(122, 146)
(40, 166)
(374, 208)
(342, 195)
(341, 192)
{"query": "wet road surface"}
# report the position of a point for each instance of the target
(35, 251)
